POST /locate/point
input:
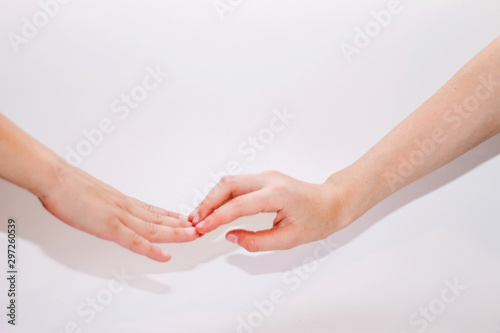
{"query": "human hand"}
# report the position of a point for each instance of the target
(84, 202)
(305, 212)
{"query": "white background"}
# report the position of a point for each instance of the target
(226, 78)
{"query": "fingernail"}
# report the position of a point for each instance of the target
(191, 231)
(232, 238)
(201, 224)
(166, 254)
(196, 215)
(183, 217)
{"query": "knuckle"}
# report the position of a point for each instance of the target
(227, 182)
(156, 219)
(136, 240)
(237, 206)
(272, 173)
(251, 244)
(151, 250)
(113, 227)
(238, 202)
(152, 229)
(280, 188)
(147, 207)
(176, 233)
(121, 205)
(227, 179)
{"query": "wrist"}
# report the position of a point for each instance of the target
(356, 189)
(338, 198)
(50, 176)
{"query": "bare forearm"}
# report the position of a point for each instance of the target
(25, 161)
(461, 115)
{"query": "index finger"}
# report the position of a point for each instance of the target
(244, 205)
(227, 188)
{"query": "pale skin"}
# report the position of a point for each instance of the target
(452, 120)
(462, 114)
(84, 202)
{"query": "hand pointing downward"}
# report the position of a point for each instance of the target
(90, 205)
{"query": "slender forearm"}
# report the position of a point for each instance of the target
(25, 161)
(461, 115)
(464, 113)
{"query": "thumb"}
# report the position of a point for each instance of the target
(277, 238)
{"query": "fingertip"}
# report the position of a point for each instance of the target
(206, 226)
(166, 256)
(233, 238)
(184, 221)
(194, 217)
(158, 254)
(200, 227)
(192, 233)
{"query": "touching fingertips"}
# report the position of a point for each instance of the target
(191, 231)
(195, 216)
(201, 225)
